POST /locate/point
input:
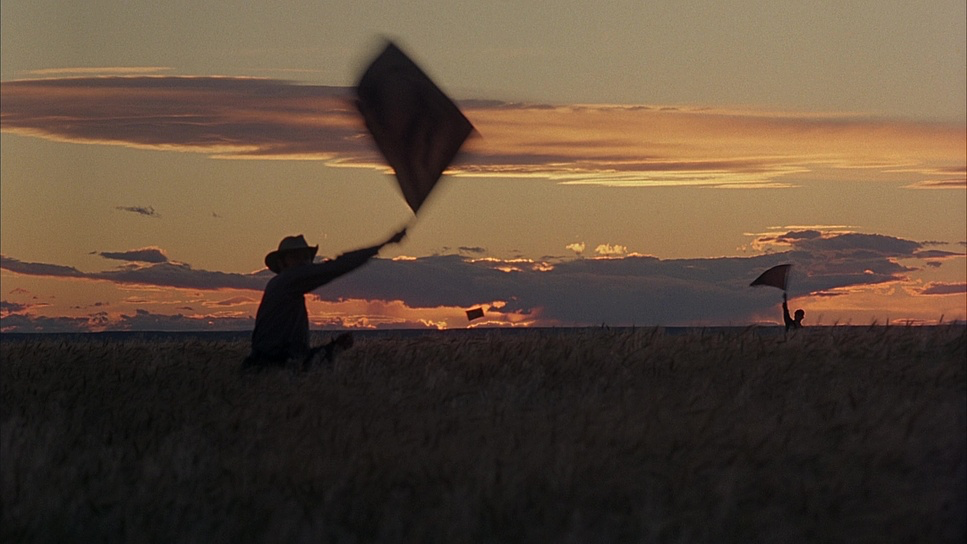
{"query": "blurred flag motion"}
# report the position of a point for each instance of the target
(418, 129)
(777, 276)
(474, 314)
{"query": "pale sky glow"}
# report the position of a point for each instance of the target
(634, 163)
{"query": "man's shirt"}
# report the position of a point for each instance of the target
(282, 322)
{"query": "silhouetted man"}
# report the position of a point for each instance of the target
(790, 322)
(281, 335)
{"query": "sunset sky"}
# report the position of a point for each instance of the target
(635, 163)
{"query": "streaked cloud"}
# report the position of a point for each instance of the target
(943, 178)
(474, 250)
(142, 255)
(100, 71)
(937, 254)
(146, 211)
(611, 145)
(940, 288)
(163, 274)
(235, 301)
(228, 117)
(939, 184)
(435, 291)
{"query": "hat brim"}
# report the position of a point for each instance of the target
(274, 259)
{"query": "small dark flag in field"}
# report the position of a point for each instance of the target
(777, 276)
(417, 128)
(474, 314)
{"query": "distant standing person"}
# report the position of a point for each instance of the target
(281, 335)
(791, 323)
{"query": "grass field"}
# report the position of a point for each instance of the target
(838, 434)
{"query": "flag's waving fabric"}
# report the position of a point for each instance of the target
(777, 276)
(416, 126)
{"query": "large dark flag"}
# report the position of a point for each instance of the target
(777, 276)
(416, 126)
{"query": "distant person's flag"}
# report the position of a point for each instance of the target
(474, 314)
(777, 276)
(416, 126)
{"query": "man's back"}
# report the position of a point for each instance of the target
(282, 322)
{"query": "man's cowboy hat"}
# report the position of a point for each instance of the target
(288, 244)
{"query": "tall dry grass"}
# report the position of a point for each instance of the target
(828, 435)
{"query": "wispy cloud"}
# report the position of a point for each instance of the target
(943, 178)
(142, 255)
(235, 301)
(939, 288)
(937, 254)
(163, 274)
(234, 117)
(939, 184)
(146, 211)
(476, 250)
(621, 146)
(99, 71)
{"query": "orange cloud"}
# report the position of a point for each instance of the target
(626, 146)
(850, 274)
(888, 303)
(640, 146)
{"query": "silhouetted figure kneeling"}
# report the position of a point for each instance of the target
(790, 322)
(281, 335)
